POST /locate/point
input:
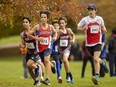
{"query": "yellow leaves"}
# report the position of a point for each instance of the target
(30, 8)
(6, 14)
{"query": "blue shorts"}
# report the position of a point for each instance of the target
(103, 53)
(45, 53)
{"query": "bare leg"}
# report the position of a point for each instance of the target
(42, 67)
(48, 66)
(66, 64)
(97, 61)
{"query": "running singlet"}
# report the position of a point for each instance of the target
(93, 32)
(31, 44)
(46, 42)
(63, 41)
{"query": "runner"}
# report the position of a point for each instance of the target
(92, 25)
(31, 55)
(44, 41)
(55, 56)
(103, 55)
(65, 38)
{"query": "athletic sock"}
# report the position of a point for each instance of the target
(67, 75)
(71, 77)
(97, 76)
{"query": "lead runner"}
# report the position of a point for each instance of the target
(93, 25)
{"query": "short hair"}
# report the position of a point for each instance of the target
(92, 6)
(28, 18)
(45, 12)
(63, 18)
(55, 21)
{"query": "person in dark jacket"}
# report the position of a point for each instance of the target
(112, 53)
(86, 56)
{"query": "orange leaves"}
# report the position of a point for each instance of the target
(30, 8)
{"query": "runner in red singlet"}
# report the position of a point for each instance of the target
(93, 25)
(44, 40)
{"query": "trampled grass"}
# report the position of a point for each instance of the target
(11, 71)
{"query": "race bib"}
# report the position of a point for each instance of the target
(94, 29)
(44, 41)
(30, 45)
(63, 43)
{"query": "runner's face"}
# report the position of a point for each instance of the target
(56, 25)
(44, 18)
(26, 23)
(92, 12)
(62, 24)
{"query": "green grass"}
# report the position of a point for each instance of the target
(15, 39)
(11, 72)
(10, 39)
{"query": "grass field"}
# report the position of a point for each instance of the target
(11, 72)
(15, 39)
(9, 40)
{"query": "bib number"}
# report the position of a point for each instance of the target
(94, 29)
(44, 41)
(30, 45)
(63, 43)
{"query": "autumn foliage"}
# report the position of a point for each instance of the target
(11, 8)
(11, 12)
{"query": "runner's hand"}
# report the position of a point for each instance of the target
(72, 41)
(39, 38)
(54, 39)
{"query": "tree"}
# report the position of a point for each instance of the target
(11, 12)
(12, 8)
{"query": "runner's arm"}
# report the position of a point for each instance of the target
(22, 43)
(55, 33)
(103, 28)
(72, 35)
(81, 25)
(33, 30)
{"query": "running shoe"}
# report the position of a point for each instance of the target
(46, 81)
(37, 83)
(72, 81)
(105, 66)
(59, 80)
(53, 68)
(68, 79)
(42, 80)
(95, 81)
